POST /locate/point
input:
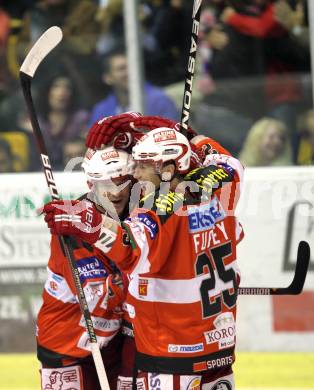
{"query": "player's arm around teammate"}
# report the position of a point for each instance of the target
(179, 251)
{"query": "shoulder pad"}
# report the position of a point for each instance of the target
(168, 203)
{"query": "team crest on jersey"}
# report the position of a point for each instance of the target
(204, 217)
(165, 135)
(142, 287)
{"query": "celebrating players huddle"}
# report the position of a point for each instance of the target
(155, 245)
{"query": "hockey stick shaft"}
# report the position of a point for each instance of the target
(187, 94)
(39, 51)
(297, 284)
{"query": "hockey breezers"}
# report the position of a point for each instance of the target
(42, 47)
(296, 286)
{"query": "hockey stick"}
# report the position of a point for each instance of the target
(187, 95)
(303, 257)
(296, 286)
(42, 47)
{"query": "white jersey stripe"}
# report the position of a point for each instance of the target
(176, 291)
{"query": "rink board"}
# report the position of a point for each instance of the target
(266, 256)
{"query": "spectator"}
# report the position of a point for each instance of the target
(110, 16)
(294, 20)
(4, 33)
(305, 155)
(211, 37)
(277, 54)
(73, 153)
(115, 75)
(77, 19)
(166, 26)
(6, 157)
(76, 55)
(60, 118)
(267, 144)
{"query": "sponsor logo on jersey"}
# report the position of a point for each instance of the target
(165, 135)
(112, 154)
(176, 348)
(209, 178)
(102, 324)
(154, 381)
(91, 268)
(168, 203)
(142, 287)
(125, 383)
(150, 225)
(212, 364)
(225, 331)
(159, 381)
(222, 385)
(204, 217)
(195, 384)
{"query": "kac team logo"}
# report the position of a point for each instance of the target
(222, 385)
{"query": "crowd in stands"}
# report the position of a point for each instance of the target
(252, 90)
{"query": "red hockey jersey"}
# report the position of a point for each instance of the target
(182, 264)
(60, 324)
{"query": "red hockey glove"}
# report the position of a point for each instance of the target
(112, 130)
(152, 122)
(73, 217)
(124, 130)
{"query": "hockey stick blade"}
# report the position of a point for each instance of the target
(296, 286)
(47, 42)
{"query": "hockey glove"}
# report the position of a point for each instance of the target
(153, 122)
(73, 217)
(124, 130)
(112, 130)
(197, 157)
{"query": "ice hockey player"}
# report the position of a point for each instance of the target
(62, 340)
(180, 256)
